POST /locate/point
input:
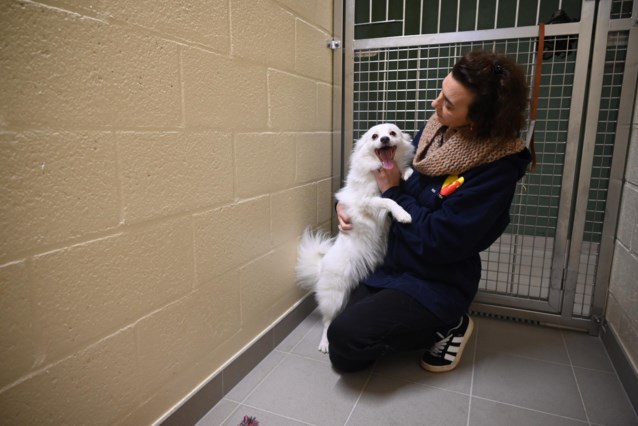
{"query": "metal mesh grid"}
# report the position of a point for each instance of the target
(398, 85)
(385, 18)
(621, 9)
(601, 168)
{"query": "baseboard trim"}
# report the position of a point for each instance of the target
(210, 393)
(626, 373)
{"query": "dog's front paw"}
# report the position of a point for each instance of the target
(403, 217)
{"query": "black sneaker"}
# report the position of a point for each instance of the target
(445, 354)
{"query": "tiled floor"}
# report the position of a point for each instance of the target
(511, 374)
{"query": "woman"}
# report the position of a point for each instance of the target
(469, 159)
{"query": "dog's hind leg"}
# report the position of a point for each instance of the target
(323, 343)
(330, 302)
(329, 310)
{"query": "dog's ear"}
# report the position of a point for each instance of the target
(406, 137)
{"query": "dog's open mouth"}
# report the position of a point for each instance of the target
(386, 155)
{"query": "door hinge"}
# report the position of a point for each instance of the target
(334, 44)
(597, 325)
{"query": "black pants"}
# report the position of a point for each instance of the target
(378, 321)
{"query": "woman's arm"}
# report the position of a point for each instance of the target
(344, 220)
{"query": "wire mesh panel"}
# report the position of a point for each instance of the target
(399, 84)
(621, 9)
(599, 183)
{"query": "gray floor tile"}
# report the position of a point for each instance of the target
(307, 390)
(394, 402)
(525, 340)
(515, 374)
(528, 383)
(605, 399)
(491, 413)
(405, 366)
(587, 351)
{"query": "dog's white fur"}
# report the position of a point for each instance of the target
(332, 267)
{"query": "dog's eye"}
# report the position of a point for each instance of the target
(375, 136)
(393, 133)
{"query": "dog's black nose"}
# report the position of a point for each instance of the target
(385, 139)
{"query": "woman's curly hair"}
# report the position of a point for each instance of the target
(500, 89)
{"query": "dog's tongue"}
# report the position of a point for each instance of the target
(386, 155)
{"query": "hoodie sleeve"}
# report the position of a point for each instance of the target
(464, 223)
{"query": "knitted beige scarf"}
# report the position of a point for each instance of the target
(442, 151)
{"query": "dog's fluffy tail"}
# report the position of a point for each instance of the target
(312, 248)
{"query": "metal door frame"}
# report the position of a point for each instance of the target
(558, 309)
(605, 26)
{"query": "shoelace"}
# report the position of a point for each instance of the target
(438, 348)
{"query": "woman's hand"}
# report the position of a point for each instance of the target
(344, 220)
(388, 178)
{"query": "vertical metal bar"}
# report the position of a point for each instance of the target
(538, 11)
(340, 100)
(518, 2)
(571, 157)
(438, 21)
(348, 83)
(587, 154)
(421, 18)
(496, 16)
(417, 85)
(384, 78)
(458, 9)
(614, 191)
(403, 19)
(478, 7)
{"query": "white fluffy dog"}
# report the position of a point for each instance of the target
(332, 267)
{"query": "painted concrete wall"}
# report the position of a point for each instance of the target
(159, 160)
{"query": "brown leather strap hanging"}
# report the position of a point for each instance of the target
(535, 93)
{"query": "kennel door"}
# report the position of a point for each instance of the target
(396, 55)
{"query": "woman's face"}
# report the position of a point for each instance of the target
(452, 103)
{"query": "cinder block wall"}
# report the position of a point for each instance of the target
(622, 305)
(159, 160)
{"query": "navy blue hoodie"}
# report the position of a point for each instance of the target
(436, 257)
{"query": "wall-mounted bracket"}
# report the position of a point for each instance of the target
(334, 44)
